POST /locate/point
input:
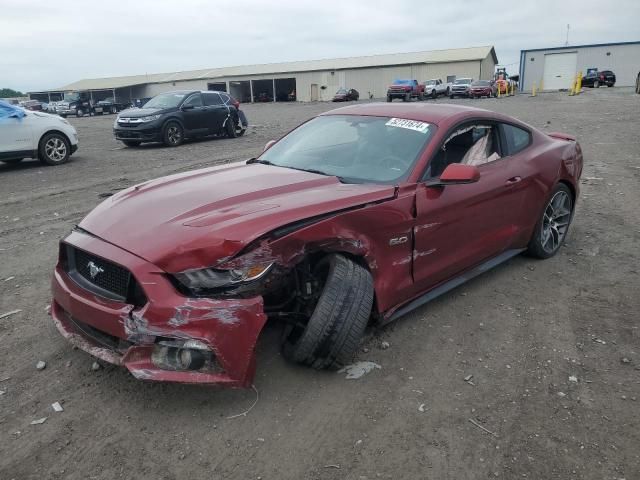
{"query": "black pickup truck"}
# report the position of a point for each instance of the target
(110, 105)
(595, 79)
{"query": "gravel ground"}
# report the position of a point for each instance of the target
(553, 346)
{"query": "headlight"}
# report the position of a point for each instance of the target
(207, 278)
(149, 118)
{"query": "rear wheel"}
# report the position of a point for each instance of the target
(132, 143)
(434, 94)
(54, 149)
(339, 318)
(451, 96)
(552, 228)
(173, 134)
(79, 113)
(230, 127)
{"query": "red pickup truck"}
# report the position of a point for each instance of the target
(405, 89)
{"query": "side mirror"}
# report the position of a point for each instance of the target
(456, 174)
(268, 145)
(187, 107)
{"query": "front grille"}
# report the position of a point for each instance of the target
(98, 336)
(102, 276)
(102, 273)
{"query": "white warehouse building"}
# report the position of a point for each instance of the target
(315, 80)
(557, 67)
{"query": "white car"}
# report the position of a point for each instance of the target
(435, 87)
(27, 134)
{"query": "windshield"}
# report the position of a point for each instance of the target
(481, 83)
(341, 91)
(403, 82)
(357, 149)
(462, 81)
(166, 100)
(71, 97)
(430, 82)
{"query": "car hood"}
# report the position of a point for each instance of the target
(143, 112)
(202, 218)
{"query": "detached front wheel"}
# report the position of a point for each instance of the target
(331, 336)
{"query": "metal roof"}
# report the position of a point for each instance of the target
(430, 56)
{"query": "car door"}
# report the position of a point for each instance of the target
(524, 187)
(217, 111)
(194, 114)
(16, 135)
(459, 226)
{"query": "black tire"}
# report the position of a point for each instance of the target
(333, 333)
(596, 84)
(54, 149)
(230, 127)
(434, 94)
(114, 109)
(451, 97)
(172, 134)
(448, 91)
(389, 98)
(132, 143)
(407, 98)
(536, 247)
(79, 113)
(12, 161)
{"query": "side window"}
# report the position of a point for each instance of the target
(212, 99)
(470, 145)
(194, 100)
(517, 138)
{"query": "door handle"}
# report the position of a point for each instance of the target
(513, 180)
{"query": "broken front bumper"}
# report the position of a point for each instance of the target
(123, 334)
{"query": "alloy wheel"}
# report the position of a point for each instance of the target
(174, 135)
(555, 221)
(55, 149)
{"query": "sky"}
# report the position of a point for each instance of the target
(47, 44)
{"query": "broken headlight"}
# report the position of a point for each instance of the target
(208, 278)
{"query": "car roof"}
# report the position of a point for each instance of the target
(430, 113)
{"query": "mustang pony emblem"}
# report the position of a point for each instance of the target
(94, 269)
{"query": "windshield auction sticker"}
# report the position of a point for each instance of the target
(421, 127)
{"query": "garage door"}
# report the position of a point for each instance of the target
(559, 70)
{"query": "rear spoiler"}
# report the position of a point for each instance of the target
(562, 136)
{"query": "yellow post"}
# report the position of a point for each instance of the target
(498, 90)
(579, 82)
(533, 90)
(513, 86)
(572, 90)
(541, 85)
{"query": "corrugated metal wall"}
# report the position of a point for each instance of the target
(367, 81)
(624, 60)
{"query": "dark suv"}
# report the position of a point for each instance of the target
(173, 116)
(595, 79)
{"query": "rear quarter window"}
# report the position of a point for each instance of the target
(517, 138)
(212, 99)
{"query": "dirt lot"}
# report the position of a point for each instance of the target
(553, 346)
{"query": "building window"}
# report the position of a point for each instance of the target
(608, 54)
(532, 59)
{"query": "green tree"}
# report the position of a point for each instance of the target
(9, 93)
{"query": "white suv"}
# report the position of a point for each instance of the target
(27, 134)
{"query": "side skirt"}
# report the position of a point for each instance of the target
(453, 283)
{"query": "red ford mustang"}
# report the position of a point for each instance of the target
(357, 216)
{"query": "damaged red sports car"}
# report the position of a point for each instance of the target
(355, 217)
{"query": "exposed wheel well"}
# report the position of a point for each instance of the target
(571, 189)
